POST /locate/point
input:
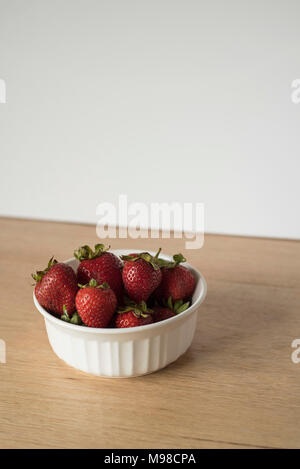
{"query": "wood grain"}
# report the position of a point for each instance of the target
(235, 387)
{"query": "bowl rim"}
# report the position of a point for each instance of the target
(128, 330)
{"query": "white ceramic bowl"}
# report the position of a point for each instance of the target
(127, 352)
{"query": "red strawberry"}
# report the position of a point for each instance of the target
(56, 287)
(100, 265)
(134, 315)
(141, 275)
(130, 320)
(112, 322)
(96, 304)
(161, 313)
(177, 281)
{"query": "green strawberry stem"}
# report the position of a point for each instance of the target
(75, 319)
(86, 252)
(139, 310)
(93, 283)
(146, 256)
(178, 307)
(157, 254)
(40, 273)
(65, 316)
(177, 259)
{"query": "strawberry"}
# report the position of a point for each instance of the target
(100, 265)
(141, 275)
(96, 304)
(56, 287)
(165, 312)
(112, 322)
(177, 281)
(133, 315)
(161, 313)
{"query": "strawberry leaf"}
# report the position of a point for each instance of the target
(146, 256)
(177, 259)
(139, 310)
(93, 283)
(86, 252)
(65, 316)
(40, 273)
(76, 319)
(170, 303)
(182, 308)
(177, 307)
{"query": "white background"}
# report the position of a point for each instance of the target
(160, 100)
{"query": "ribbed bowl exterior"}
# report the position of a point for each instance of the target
(122, 356)
(124, 352)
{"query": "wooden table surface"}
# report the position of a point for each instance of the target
(235, 387)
